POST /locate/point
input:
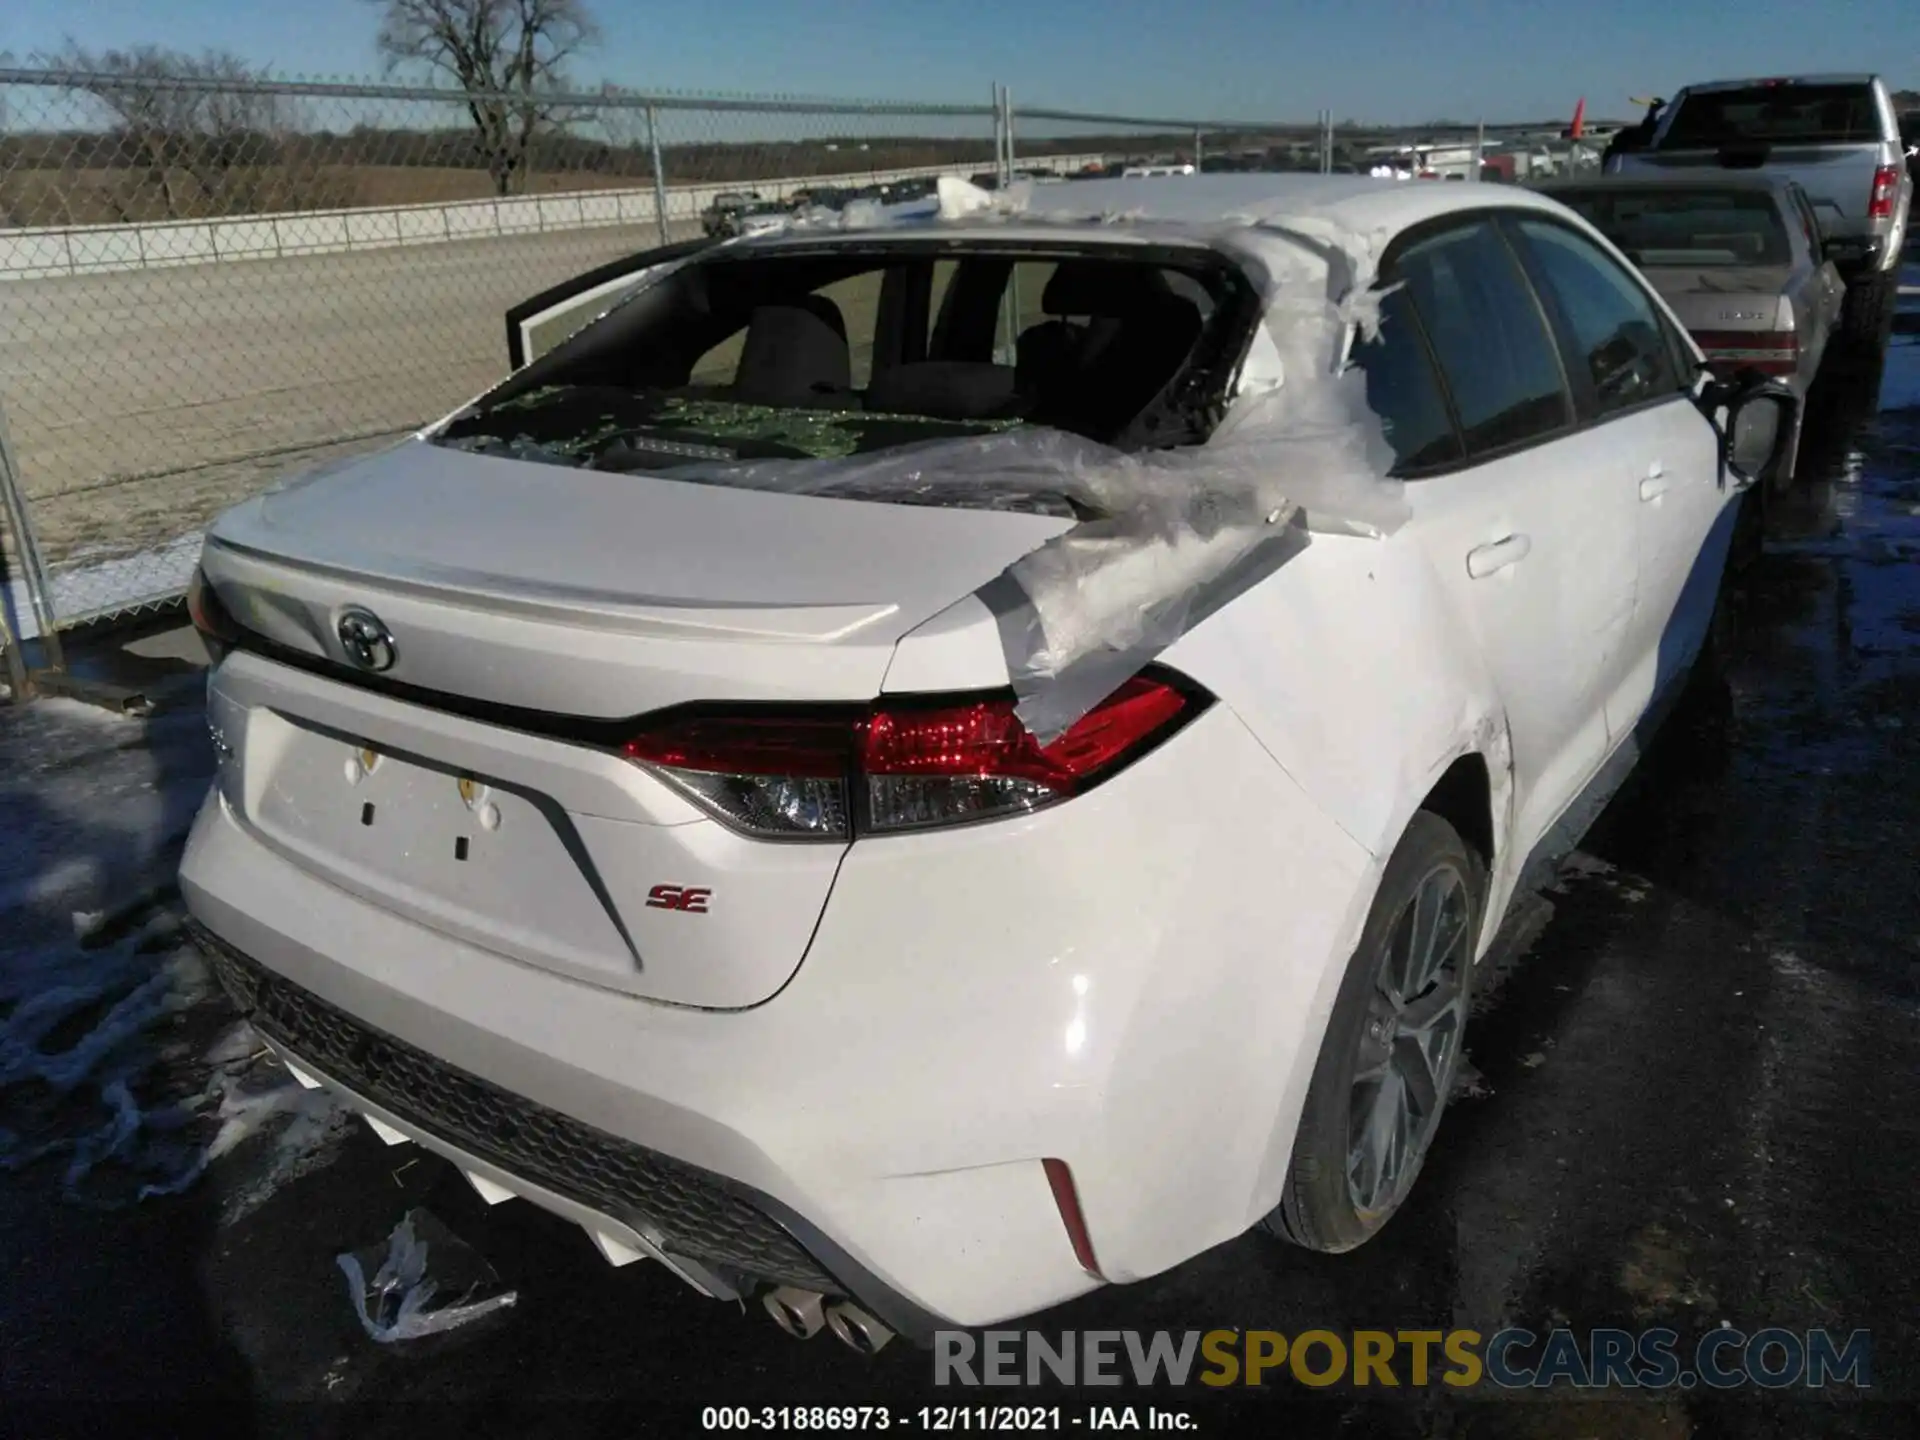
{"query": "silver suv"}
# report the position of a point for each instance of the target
(1838, 136)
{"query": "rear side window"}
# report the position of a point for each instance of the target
(1612, 325)
(1495, 351)
(1803, 215)
(1784, 114)
(1404, 391)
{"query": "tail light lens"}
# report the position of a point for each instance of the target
(1771, 352)
(901, 765)
(1886, 182)
(780, 776)
(217, 628)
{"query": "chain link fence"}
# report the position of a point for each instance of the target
(206, 281)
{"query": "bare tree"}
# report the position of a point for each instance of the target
(507, 55)
(190, 126)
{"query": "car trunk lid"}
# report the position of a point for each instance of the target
(1739, 315)
(476, 786)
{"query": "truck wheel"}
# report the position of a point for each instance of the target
(1866, 316)
(1392, 1048)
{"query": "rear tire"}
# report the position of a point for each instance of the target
(1370, 1118)
(1866, 316)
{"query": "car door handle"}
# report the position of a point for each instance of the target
(1656, 482)
(1484, 560)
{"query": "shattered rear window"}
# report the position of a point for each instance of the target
(836, 351)
(610, 429)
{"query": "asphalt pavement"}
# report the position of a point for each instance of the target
(1695, 1106)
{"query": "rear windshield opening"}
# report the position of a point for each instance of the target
(833, 352)
(1774, 115)
(1692, 228)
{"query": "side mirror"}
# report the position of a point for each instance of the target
(1758, 427)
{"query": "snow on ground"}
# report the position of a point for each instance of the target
(124, 1073)
(87, 589)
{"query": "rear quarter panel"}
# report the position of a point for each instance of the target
(1352, 670)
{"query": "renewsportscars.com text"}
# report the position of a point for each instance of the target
(1772, 1358)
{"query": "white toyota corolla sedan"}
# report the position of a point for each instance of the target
(913, 768)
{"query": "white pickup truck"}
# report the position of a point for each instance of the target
(1838, 137)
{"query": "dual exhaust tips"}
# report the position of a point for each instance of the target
(802, 1313)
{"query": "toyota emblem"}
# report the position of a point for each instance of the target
(368, 643)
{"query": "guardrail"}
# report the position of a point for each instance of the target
(52, 252)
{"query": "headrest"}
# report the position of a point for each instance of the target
(1097, 287)
(794, 354)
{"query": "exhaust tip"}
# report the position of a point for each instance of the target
(856, 1329)
(798, 1312)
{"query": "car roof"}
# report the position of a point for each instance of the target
(1196, 208)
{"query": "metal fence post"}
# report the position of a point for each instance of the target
(1197, 156)
(1003, 110)
(26, 544)
(1002, 165)
(1480, 150)
(1006, 109)
(659, 172)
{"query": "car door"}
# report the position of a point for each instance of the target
(1825, 293)
(536, 325)
(1528, 526)
(1636, 399)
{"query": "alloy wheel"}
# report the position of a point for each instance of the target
(1409, 1046)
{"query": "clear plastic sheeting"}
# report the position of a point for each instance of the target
(1164, 537)
(398, 1297)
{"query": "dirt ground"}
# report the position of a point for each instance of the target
(142, 403)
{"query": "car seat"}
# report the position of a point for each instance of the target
(796, 354)
(1095, 377)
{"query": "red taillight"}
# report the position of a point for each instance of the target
(774, 775)
(209, 616)
(1066, 1199)
(1771, 352)
(1886, 183)
(899, 765)
(773, 744)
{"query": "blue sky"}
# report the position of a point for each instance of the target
(1383, 60)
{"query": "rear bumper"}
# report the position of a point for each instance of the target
(510, 1146)
(1861, 253)
(973, 1004)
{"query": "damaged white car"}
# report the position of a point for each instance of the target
(913, 769)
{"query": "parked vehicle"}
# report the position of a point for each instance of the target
(902, 191)
(766, 218)
(671, 850)
(721, 218)
(1739, 257)
(1838, 136)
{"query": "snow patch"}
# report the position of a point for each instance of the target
(121, 583)
(81, 1095)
